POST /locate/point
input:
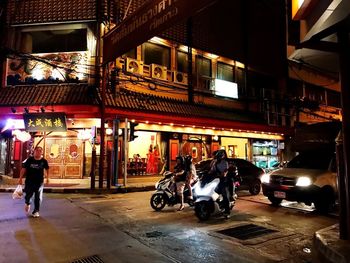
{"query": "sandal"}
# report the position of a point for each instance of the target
(181, 208)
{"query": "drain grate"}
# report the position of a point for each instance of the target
(246, 231)
(154, 234)
(91, 259)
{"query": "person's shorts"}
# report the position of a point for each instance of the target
(180, 187)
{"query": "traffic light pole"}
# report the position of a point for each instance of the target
(115, 159)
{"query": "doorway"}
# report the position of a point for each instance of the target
(65, 157)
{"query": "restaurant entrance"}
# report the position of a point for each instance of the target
(65, 157)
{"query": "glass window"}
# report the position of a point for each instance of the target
(225, 72)
(315, 93)
(182, 62)
(203, 66)
(311, 161)
(155, 54)
(59, 41)
(333, 98)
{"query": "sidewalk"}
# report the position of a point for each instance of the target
(134, 184)
(65, 233)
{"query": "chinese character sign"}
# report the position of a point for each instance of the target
(45, 122)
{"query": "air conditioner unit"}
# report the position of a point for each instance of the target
(159, 72)
(119, 63)
(180, 78)
(134, 66)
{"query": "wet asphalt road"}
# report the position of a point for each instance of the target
(180, 236)
(124, 228)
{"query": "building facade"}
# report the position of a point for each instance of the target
(160, 99)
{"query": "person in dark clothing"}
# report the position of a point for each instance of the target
(219, 168)
(33, 168)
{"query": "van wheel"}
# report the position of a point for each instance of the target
(325, 201)
(254, 188)
(275, 201)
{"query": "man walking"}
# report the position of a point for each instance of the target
(33, 168)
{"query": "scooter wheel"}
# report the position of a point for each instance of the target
(203, 210)
(158, 201)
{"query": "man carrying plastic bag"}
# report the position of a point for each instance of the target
(34, 168)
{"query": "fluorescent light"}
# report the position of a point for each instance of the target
(225, 88)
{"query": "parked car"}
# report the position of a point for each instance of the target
(248, 172)
(310, 177)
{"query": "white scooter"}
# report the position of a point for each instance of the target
(208, 201)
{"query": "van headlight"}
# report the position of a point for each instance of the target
(265, 178)
(303, 181)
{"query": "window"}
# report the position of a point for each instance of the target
(315, 93)
(333, 98)
(225, 72)
(203, 66)
(182, 62)
(155, 54)
(58, 40)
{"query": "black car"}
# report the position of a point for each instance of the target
(248, 173)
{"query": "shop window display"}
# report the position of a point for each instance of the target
(265, 154)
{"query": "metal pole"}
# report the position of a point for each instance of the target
(93, 166)
(344, 61)
(115, 152)
(109, 168)
(341, 187)
(126, 150)
(102, 129)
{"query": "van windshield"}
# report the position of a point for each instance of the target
(311, 160)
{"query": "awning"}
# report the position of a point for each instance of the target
(81, 100)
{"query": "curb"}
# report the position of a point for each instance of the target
(121, 189)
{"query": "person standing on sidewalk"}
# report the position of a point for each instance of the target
(33, 167)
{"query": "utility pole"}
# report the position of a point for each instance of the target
(344, 61)
(102, 87)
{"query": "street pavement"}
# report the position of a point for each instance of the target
(72, 232)
(64, 233)
(72, 229)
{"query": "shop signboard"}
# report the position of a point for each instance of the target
(45, 122)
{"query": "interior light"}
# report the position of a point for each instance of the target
(109, 131)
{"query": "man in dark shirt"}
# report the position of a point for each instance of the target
(33, 168)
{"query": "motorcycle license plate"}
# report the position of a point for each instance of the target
(279, 194)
